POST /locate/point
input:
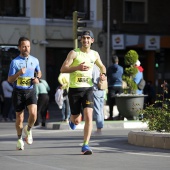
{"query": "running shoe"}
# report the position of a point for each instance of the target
(28, 138)
(20, 144)
(86, 150)
(72, 125)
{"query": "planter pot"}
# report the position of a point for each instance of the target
(128, 105)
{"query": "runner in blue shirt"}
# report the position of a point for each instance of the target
(21, 75)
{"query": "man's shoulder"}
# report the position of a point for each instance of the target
(73, 52)
(94, 52)
(76, 50)
(120, 66)
(32, 57)
(5, 83)
(43, 81)
(115, 66)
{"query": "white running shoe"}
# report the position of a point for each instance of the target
(20, 144)
(28, 138)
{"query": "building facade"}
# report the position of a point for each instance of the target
(143, 26)
(118, 26)
(48, 24)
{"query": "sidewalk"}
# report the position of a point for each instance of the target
(55, 117)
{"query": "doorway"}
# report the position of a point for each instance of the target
(54, 60)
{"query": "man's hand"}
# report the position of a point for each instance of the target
(14, 77)
(83, 67)
(102, 77)
(22, 71)
(35, 80)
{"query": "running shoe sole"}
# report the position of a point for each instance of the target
(21, 147)
(88, 152)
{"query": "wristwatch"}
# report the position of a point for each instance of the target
(104, 74)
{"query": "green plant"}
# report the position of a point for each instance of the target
(157, 115)
(130, 71)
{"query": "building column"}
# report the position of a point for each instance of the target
(37, 32)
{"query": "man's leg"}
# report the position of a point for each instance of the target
(39, 107)
(63, 111)
(98, 109)
(67, 108)
(88, 117)
(110, 102)
(75, 110)
(19, 127)
(32, 109)
(44, 108)
(19, 122)
(76, 119)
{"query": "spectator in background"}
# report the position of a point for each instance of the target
(42, 89)
(7, 91)
(66, 107)
(98, 111)
(138, 76)
(1, 100)
(12, 115)
(150, 92)
(114, 78)
(61, 98)
(64, 79)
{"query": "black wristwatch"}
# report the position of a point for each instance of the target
(104, 74)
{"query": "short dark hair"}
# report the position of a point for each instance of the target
(115, 59)
(22, 39)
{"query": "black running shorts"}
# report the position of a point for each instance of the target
(80, 97)
(23, 98)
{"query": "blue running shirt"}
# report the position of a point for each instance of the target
(31, 64)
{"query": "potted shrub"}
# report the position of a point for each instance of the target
(130, 71)
(129, 102)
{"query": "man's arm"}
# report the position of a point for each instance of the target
(14, 77)
(100, 64)
(38, 76)
(65, 68)
(102, 67)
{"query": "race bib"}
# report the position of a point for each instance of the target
(82, 80)
(24, 81)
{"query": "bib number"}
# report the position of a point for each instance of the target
(24, 81)
(82, 79)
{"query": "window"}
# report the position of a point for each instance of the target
(135, 11)
(64, 9)
(12, 8)
(7, 53)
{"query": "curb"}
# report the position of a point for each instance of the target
(107, 125)
(149, 139)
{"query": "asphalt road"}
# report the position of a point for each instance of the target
(61, 150)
